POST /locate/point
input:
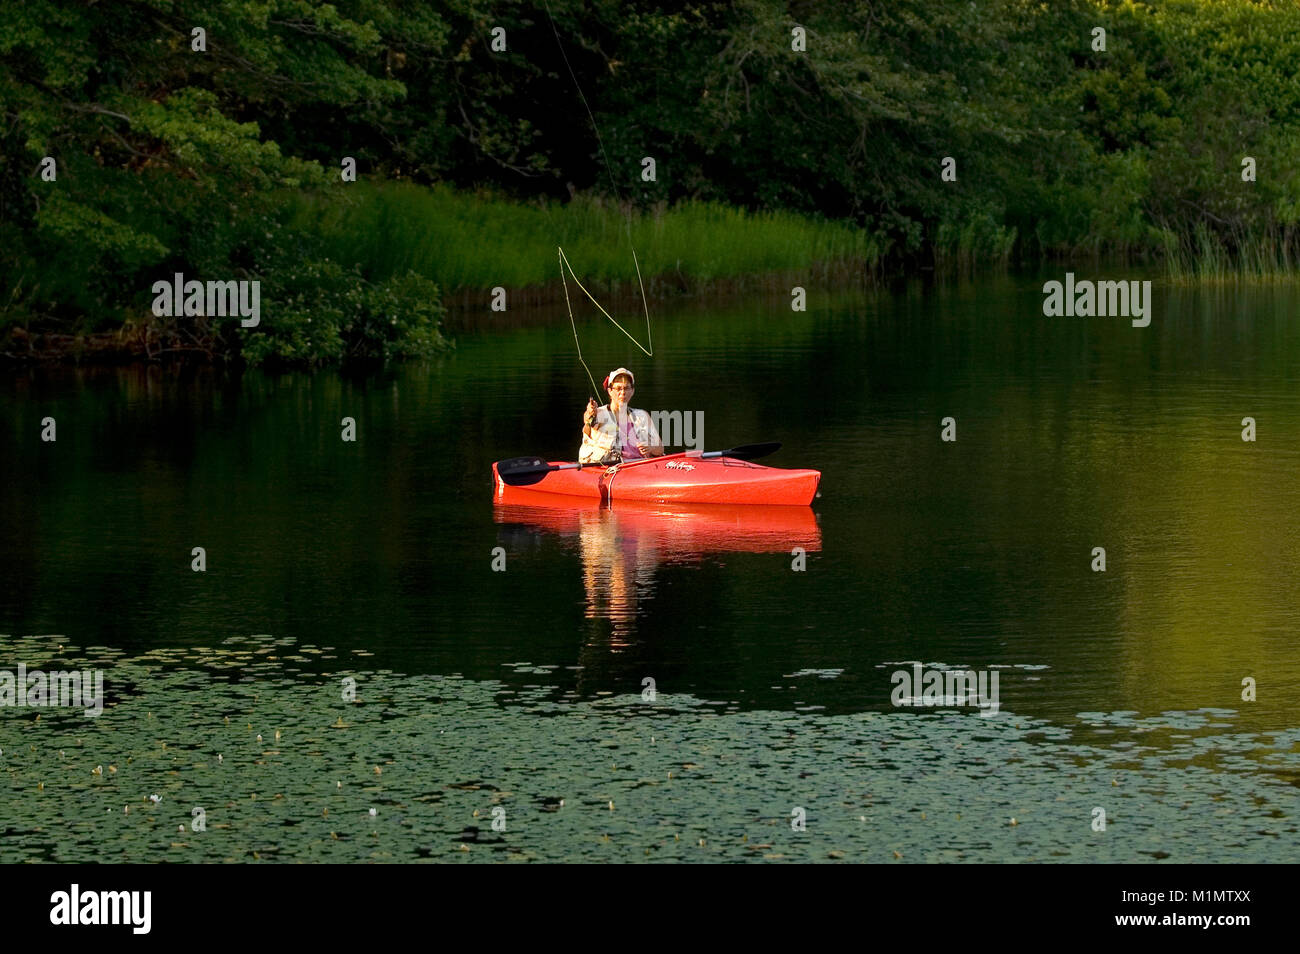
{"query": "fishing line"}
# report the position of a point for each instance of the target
(648, 349)
(594, 390)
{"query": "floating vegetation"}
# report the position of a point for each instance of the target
(422, 769)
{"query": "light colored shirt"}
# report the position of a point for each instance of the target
(637, 428)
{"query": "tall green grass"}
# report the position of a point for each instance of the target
(470, 241)
(979, 241)
(1207, 256)
(463, 241)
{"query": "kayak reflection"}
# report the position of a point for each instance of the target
(622, 546)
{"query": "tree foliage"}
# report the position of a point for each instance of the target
(171, 159)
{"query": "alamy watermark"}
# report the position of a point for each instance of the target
(680, 428)
(68, 689)
(75, 906)
(1085, 299)
(684, 429)
(946, 687)
(194, 299)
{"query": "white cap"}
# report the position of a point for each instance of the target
(613, 375)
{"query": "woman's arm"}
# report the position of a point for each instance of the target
(654, 445)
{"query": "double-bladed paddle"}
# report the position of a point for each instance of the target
(747, 451)
(523, 471)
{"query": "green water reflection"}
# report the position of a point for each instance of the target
(1072, 434)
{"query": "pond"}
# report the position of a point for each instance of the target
(506, 658)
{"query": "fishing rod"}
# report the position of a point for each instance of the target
(648, 348)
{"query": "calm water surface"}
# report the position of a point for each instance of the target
(482, 689)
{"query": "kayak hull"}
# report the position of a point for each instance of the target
(679, 479)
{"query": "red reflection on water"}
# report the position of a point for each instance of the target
(621, 546)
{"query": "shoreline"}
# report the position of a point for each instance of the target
(147, 340)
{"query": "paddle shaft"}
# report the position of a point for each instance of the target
(528, 468)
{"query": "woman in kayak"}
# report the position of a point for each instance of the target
(617, 431)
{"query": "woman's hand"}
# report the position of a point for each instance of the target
(589, 416)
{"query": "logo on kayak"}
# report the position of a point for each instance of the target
(678, 465)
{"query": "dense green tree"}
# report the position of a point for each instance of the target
(172, 158)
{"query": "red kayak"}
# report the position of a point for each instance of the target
(678, 478)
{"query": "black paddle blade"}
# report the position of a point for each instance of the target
(522, 471)
(751, 451)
